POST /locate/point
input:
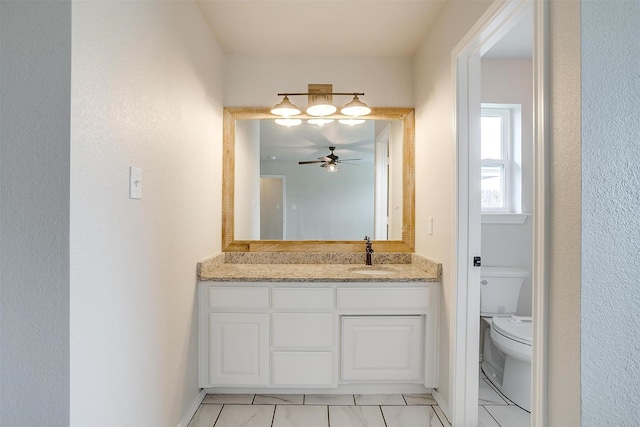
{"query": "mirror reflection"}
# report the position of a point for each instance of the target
(312, 182)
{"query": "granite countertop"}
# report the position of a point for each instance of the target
(219, 269)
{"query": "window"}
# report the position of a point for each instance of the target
(499, 143)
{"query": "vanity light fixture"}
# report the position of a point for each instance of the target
(320, 122)
(355, 108)
(289, 122)
(286, 108)
(320, 98)
(351, 122)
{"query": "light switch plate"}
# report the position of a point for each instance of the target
(135, 183)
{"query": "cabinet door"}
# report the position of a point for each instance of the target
(238, 349)
(303, 368)
(384, 348)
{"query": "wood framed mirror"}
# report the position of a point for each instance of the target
(406, 230)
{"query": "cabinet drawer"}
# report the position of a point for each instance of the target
(384, 298)
(303, 330)
(305, 369)
(294, 298)
(234, 297)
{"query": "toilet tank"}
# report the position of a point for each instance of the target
(500, 290)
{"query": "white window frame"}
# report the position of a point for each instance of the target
(510, 114)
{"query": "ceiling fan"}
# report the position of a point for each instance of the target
(328, 162)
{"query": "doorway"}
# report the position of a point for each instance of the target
(494, 25)
(272, 207)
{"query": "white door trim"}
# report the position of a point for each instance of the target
(494, 24)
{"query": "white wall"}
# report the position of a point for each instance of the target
(35, 77)
(329, 206)
(146, 92)
(435, 160)
(256, 80)
(510, 81)
(396, 181)
(563, 306)
(610, 227)
(246, 201)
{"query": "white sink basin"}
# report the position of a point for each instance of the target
(372, 271)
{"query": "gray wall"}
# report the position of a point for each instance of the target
(610, 228)
(35, 76)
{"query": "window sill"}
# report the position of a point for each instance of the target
(505, 218)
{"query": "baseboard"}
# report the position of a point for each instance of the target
(193, 409)
(390, 388)
(442, 403)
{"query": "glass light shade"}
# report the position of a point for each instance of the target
(319, 122)
(355, 108)
(351, 122)
(285, 108)
(320, 110)
(331, 167)
(288, 122)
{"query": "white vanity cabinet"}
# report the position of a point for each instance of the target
(382, 348)
(302, 336)
(236, 322)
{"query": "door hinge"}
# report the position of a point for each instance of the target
(477, 261)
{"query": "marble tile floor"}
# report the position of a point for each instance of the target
(309, 410)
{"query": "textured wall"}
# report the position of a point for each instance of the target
(610, 228)
(146, 92)
(35, 76)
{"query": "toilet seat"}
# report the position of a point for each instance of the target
(516, 328)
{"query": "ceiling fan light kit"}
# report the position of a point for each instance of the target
(320, 104)
(331, 167)
(329, 162)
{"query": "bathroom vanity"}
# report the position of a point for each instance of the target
(299, 327)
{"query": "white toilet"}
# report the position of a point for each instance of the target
(507, 342)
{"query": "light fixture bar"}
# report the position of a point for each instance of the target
(316, 93)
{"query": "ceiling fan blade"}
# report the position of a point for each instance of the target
(353, 164)
(310, 161)
(347, 160)
(325, 159)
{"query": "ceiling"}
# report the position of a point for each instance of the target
(321, 27)
(393, 28)
(309, 142)
(517, 43)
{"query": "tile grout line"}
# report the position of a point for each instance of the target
(491, 415)
(328, 417)
(500, 394)
(446, 421)
(383, 418)
(273, 416)
(218, 417)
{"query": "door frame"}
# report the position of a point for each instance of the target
(494, 24)
(284, 201)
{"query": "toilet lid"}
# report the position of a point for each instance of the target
(514, 327)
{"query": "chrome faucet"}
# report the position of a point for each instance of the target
(368, 250)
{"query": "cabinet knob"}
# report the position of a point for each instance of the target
(484, 282)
